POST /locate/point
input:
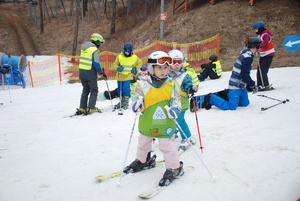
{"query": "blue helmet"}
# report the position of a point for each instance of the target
(128, 46)
(258, 25)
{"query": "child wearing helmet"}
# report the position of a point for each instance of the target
(158, 99)
(126, 65)
(267, 52)
(212, 69)
(185, 85)
(89, 66)
(239, 80)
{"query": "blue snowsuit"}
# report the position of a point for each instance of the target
(185, 81)
(240, 78)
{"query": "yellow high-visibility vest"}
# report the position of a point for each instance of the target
(86, 58)
(218, 69)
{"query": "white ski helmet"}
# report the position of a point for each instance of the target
(158, 58)
(177, 56)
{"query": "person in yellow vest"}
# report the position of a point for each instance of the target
(157, 98)
(89, 67)
(212, 69)
(126, 65)
(189, 70)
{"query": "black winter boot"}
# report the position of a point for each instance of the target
(170, 175)
(206, 103)
(137, 165)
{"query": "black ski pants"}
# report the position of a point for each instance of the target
(262, 71)
(90, 88)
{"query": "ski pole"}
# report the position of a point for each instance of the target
(131, 134)
(109, 93)
(121, 88)
(178, 126)
(283, 101)
(197, 123)
(266, 108)
(259, 69)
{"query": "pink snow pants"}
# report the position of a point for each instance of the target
(166, 146)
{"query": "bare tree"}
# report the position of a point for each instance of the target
(76, 28)
(113, 17)
(41, 16)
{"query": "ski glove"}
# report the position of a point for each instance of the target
(138, 105)
(143, 68)
(133, 71)
(173, 113)
(193, 89)
(120, 68)
(254, 89)
(104, 76)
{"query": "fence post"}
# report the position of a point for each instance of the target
(218, 44)
(59, 68)
(106, 64)
(157, 46)
(30, 74)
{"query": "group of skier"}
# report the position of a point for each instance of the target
(161, 94)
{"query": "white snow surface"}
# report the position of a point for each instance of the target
(253, 155)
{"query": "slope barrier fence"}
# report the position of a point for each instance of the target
(65, 68)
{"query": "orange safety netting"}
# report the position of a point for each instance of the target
(64, 67)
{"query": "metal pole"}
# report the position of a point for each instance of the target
(82, 26)
(161, 21)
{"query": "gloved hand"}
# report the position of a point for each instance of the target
(254, 89)
(133, 71)
(173, 113)
(193, 89)
(120, 68)
(104, 76)
(7, 70)
(202, 66)
(138, 105)
(143, 68)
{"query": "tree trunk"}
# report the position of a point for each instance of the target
(113, 17)
(76, 28)
(41, 16)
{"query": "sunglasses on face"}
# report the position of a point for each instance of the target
(128, 50)
(162, 60)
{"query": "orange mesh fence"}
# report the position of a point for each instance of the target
(65, 68)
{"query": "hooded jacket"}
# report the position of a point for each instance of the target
(89, 64)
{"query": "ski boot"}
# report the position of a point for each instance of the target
(206, 103)
(125, 102)
(90, 111)
(137, 165)
(170, 175)
(80, 111)
(185, 143)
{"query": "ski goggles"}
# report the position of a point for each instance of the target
(127, 50)
(161, 61)
(177, 61)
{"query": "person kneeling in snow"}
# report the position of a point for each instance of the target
(240, 78)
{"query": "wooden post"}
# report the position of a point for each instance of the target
(30, 74)
(59, 68)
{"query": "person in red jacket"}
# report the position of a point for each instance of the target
(267, 53)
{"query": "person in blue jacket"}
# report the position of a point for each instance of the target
(239, 80)
(185, 85)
